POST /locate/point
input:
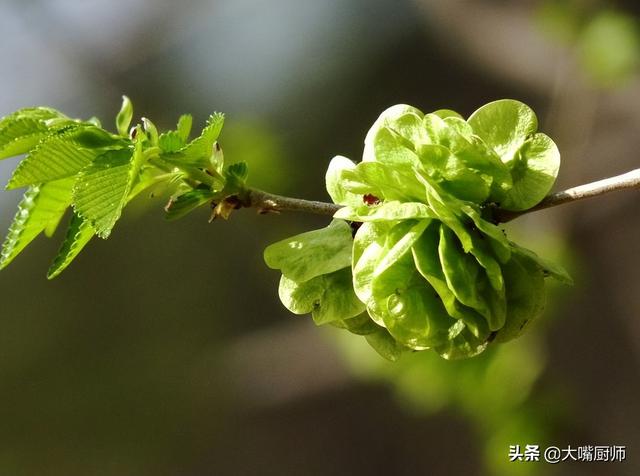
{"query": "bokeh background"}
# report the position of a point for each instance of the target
(165, 351)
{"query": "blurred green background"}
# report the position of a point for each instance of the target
(165, 350)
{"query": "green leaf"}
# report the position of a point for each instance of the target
(313, 253)
(56, 157)
(525, 295)
(460, 127)
(188, 202)
(399, 242)
(390, 148)
(32, 113)
(388, 119)
(359, 325)
(468, 282)
(550, 268)
(334, 182)
(439, 132)
(78, 235)
(509, 127)
(397, 297)
(102, 188)
(150, 176)
(368, 247)
(504, 125)
(448, 209)
(427, 262)
(483, 253)
(384, 181)
(216, 161)
(184, 127)
(461, 270)
(20, 136)
(151, 130)
(387, 211)
(198, 152)
(444, 113)
(40, 206)
(451, 132)
(478, 156)
(170, 141)
(496, 237)
(483, 240)
(408, 129)
(23, 129)
(123, 119)
(89, 136)
(468, 156)
(410, 309)
(462, 343)
(455, 214)
(328, 297)
(93, 120)
(534, 170)
(52, 226)
(236, 175)
(385, 345)
(353, 181)
(454, 175)
(300, 299)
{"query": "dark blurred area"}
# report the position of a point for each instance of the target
(165, 350)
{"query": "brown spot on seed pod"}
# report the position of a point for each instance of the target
(370, 199)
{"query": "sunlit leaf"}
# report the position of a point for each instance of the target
(78, 235)
(468, 281)
(187, 202)
(123, 119)
(170, 141)
(56, 157)
(362, 324)
(313, 253)
(387, 211)
(197, 152)
(151, 130)
(328, 297)
(41, 206)
(184, 127)
(102, 188)
(534, 170)
(385, 345)
(504, 125)
(411, 310)
(334, 185)
(427, 262)
(387, 119)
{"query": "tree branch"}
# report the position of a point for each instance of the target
(268, 202)
(594, 189)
